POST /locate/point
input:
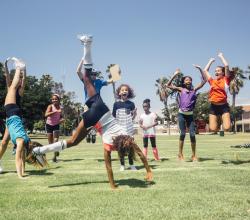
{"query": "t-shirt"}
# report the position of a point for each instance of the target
(98, 84)
(148, 120)
(187, 100)
(109, 128)
(218, 89)
(122, 111)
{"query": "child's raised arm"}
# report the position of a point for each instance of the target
(202, 83)
(169, 83)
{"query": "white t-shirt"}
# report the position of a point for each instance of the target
(109, 128)
(148, 120)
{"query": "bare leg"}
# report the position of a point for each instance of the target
(19, 157)
(213, 125)
(226, 121)
(4, 143)
(180, 155)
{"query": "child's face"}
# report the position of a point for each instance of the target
(219, 72)
(55, 100)
(145, 107)
(124, 92)
(188, 82)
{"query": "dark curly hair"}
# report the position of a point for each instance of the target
(146, 101)
(124, 145)
(183, 79)
(131, 93)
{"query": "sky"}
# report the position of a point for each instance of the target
(148, 39)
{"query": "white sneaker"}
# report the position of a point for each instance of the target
(132, 167)
(122, 168)
(36, 151)
(18, 63)
(1, 168)
(85, 39)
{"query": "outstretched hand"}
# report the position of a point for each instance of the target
(220, 54)
(197, 66)
(211, 60)
(177, 71)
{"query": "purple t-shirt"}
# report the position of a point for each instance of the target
(187, 100)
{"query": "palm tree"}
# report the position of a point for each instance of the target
(235, 85)
(165, 93)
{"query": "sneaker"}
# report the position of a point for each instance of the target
(85, 38)
(1, 168)
(36, 151)
(18, 63)
(132, 167)
(122, 168)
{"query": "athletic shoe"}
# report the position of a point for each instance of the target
(1, 168)
(122, 168)
(18, 63)
(132, 167)
(36, 151)
(85, 39)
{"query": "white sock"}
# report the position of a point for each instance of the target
(58, 146)
(87, 59)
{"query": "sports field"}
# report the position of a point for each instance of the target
(217, 187)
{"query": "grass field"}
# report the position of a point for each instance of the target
(217, 187)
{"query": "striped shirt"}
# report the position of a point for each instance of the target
(122, 111)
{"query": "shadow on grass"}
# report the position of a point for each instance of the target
(102, 160)
(201, 159)
(39, 172)
(77, 184)
(235, 162)
(135, 183)
(153, 167)
(69, 160)
(161, 160)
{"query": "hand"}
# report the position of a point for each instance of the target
(177, 71)
(59, 110)
(149, 176)
(197, 66)
(211, 60)
(220, 55)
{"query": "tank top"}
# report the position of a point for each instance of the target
(54, 119)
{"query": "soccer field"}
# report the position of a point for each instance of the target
(216, 187)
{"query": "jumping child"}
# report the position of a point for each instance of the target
(187, 99)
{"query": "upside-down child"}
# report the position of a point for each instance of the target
(98, 115)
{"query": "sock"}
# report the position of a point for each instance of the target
(87, 59)
(58, 146)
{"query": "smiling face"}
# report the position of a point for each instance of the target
(219, 73)
(55, 100)
(124, 93)
(188, 82)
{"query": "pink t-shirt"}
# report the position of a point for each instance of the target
(54, 119)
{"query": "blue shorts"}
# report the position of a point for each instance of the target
(16, 129)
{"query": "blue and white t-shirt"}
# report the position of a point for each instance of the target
(98, 84)
(122, 111)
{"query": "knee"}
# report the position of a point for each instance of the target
(182, 135)
(192, 137)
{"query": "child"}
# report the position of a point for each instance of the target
(218, 94)
(147, 123)
(98, 115)
(187, 99)
(53, 116)
(14, 124)
(124, 111)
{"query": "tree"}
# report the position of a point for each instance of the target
(235, 85)
(201, 110)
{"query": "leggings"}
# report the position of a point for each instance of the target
(186, 121)
(152, 140)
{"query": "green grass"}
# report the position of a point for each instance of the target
(217, 187)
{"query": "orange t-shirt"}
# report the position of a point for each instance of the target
(218, 89)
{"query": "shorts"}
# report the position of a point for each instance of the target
(109, 147)
(52, 128)
(16, 129)
(219, 109)
(12, 109)
(97, 109)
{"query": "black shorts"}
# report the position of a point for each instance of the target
(51, 128)
(12, 109)
(97, 108)
(219, 109)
